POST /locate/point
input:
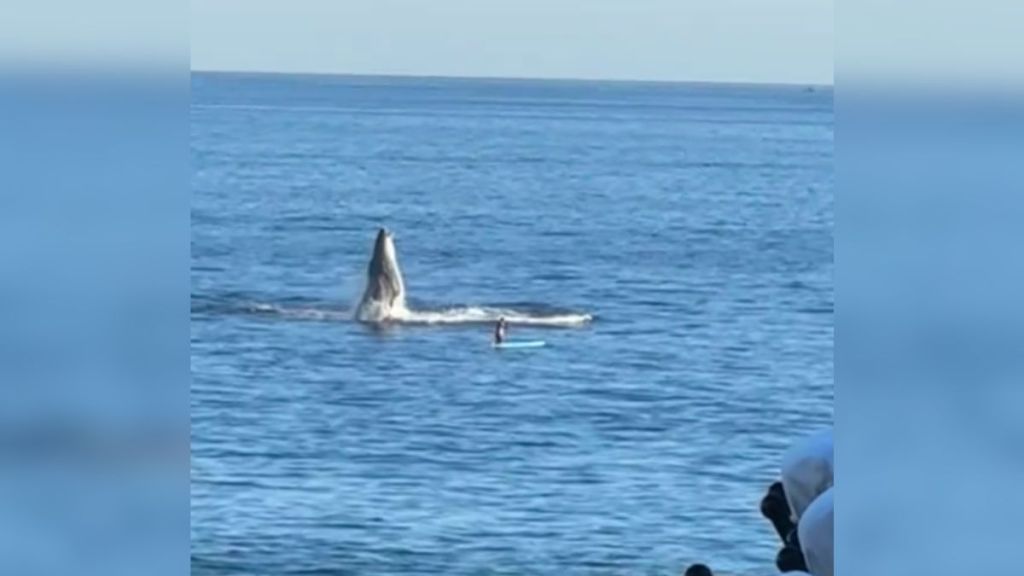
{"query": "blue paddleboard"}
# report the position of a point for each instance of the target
(521, 344)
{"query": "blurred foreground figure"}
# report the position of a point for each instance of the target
(816, 531)
(807, 472)
(800, 509)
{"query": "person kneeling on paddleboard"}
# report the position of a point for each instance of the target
(499, 330)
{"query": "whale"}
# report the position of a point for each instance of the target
(384, 296)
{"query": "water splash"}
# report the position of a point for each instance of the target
(322, 311)
(488, 315)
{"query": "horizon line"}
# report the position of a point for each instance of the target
(779, 84)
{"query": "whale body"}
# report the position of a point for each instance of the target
(384, 296)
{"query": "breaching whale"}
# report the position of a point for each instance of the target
(384, 297)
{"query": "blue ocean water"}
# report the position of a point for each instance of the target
(693, 222)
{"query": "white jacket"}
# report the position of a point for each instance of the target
(807, 471)
(816, 530)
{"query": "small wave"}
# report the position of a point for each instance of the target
(316, 314)
(253, 305)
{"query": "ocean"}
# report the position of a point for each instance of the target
(672, 244)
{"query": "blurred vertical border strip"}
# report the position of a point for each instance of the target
(929, 358)
(94, 287)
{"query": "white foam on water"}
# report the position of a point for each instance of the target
(486, 315)
(451, 316)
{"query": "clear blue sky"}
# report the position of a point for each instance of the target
(785, 41)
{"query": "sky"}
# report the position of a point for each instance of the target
(763, 41)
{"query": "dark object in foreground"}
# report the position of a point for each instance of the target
(790, 559)
(698, 570)
(775, 508)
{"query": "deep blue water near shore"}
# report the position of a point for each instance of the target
(694, 222)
